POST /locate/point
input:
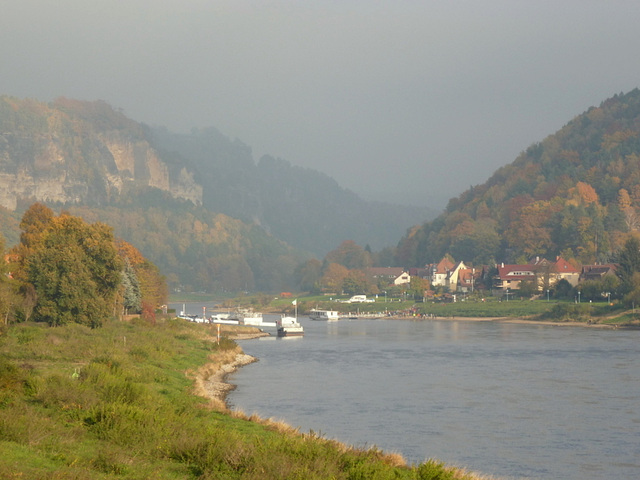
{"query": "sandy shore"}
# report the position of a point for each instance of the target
(216, 385)
(514, 320)
(210, 379)
(525, 321)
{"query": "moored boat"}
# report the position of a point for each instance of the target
(289, 327)
(329, 315)
(247, 316)
(223, 318)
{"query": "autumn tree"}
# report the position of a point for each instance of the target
(333, 277)
(355, 282)
(9, 298)
(142, 281)
(350, 255)
(75, 271)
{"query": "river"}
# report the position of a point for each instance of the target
(508, 400)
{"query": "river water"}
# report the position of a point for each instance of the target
(512, 401)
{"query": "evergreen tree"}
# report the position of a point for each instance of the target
(628, 264)
(132, 298)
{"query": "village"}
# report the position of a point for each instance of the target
(539, 277)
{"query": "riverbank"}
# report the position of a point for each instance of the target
(515, 320)
(211, 383)
(210, 379)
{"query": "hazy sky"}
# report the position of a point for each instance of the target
(412, 100)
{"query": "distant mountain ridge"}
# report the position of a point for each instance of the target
(576, 194)
(197, 204)
(302, 206)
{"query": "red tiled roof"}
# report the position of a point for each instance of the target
(562, 266)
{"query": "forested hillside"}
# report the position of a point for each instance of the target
(575, 194)
(301, 206)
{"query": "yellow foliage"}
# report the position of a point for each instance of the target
(611, 141)
(624, 200)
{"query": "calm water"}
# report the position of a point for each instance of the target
(514, 401)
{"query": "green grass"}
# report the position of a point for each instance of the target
(117, 402)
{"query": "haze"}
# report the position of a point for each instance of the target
(403, 101)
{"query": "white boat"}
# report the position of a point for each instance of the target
(223, 318)
(192, 318)
(289, 327)
(316, 314)
(246, 316)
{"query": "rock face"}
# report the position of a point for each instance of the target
(78, 152)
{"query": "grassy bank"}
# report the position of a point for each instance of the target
(476, 307)
(118, 402)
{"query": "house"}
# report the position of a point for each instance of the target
(469, 280)
(453, 276)
(597, 272)
(440, 271)
(541, 271)
(510, 276)
(402, 279)
(391, 275)
(563, 270)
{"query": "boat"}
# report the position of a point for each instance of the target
(247, 316)
(223, 318)
(316, 314)
(289, 327)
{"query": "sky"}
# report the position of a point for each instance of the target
(404, 101)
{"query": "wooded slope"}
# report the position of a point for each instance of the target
(575, 194)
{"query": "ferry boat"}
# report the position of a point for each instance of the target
(289, 327)
(329, 315)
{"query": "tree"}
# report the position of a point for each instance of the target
(563, 289)
(34, 223)
(628, 264)
(333, 277)
(8, 297)
(355, 283)
(308, 274)
(142, 281)
(131, 296)
(528, 288)
(351, 255)
(75, 271)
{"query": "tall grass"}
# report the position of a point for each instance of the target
(118, 402)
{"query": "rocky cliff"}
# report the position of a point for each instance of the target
(73, 152)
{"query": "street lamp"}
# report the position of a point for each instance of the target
(579, 296)
(547, 295)
(385, 296)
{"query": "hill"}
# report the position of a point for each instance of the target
(575, 194)
(302, 206)
(197, 205)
